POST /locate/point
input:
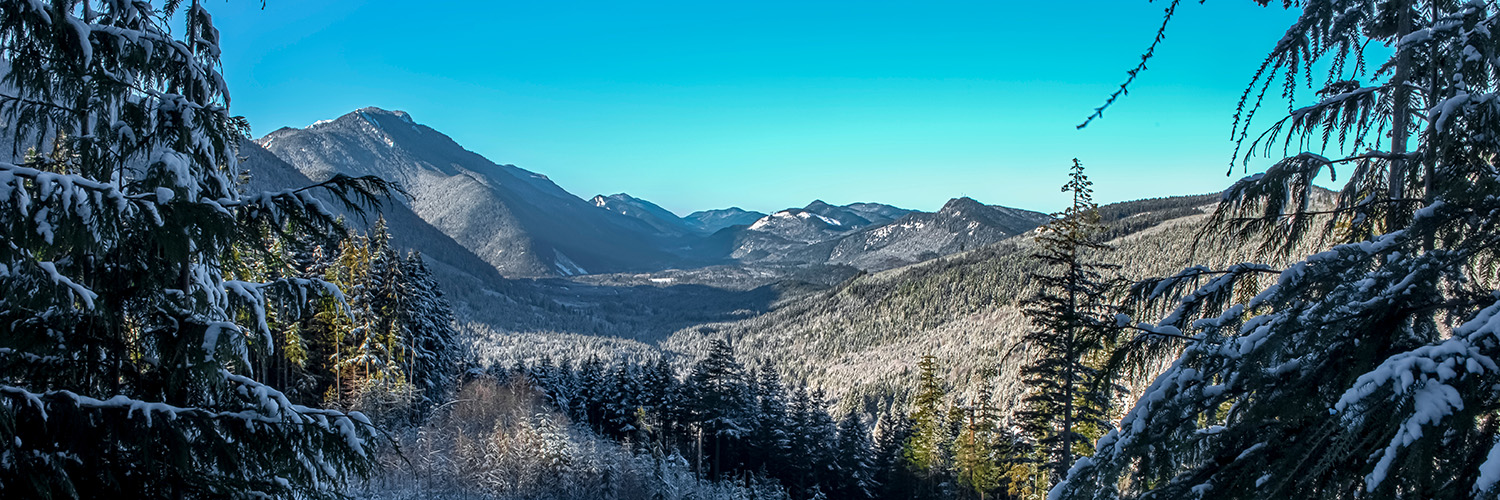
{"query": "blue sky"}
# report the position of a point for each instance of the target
(770, 104)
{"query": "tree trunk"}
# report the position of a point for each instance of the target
(1400, 121)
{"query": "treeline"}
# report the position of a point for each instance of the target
(748, 426)
(385, 345)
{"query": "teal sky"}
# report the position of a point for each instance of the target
(770, 104)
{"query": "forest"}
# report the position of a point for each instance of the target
(167, 333)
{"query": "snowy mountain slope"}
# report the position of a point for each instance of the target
(408, 231)
(865, 236)
(862, 339)
(518, 221)
(712, 221)
(858, 215)
(659, 219)
(962, 224)
(878, 213)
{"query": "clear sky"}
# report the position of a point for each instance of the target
(771, 104)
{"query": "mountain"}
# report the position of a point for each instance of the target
(869, 236)
(858, 335)
(712, 221)
(660, 219)
(857, 215)
(455, 266)
(518, 221)
(962, 224)
(878, 213)
(861, 339)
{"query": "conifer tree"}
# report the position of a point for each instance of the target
(1067, 400)
(661, 402)
(977, 449)
(771, 436)
(425, 322)
(855, 460)
(1367, 370)
(925, 449)
(138, 286)
(894, 478)
(718, 402)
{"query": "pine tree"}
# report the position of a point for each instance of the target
(894, 478)
(770, 437)
(978, 450)
(925, 449)
(592, 393)
(1067, 399)
(661, 404)
(1366, 370)
(138, 286)
(821, 438)
(855, 460)
(718, 402)
(425, 323)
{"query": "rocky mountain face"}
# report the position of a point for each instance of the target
(857, 215)
(518, 221)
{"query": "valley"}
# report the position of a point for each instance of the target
(842, 298)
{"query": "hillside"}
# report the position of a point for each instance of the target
(518, 221)
(861, 340)
(858, 335)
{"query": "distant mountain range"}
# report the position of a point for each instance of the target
(844, 297)
(524, 225)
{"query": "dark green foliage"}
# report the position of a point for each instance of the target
(1068, 401)
(1363, 371)
(141, 293)
(926, 451)
(854, 461)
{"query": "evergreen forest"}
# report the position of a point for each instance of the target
(187, 312)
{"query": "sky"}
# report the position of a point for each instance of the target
(768, 105)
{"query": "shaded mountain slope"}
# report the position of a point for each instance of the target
(712, 221)
(408, 231)
(518, 221)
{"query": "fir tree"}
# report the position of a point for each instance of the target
(925, 449)
(1067, 400)
(854, 461)
(977, 451)
(139, 288)
(425, 322)
(660, 402)
(771, 437)
(1363, 371)
(894, 478)
(718, 404)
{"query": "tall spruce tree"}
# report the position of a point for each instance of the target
(1067, 400)
(771, 436)
(925, 451)
(977, 450)
(1367, 370)
(719, 404)
(425, 322)
(137, 284)
(854, 476)
(894, 478)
